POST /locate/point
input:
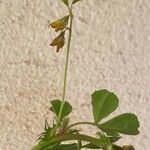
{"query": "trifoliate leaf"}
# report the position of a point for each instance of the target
(126, 124)
(56, 104)
(104, 103)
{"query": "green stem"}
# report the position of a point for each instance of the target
(79, 137)
(66, 67)
(81, 123)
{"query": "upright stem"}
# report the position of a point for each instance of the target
(66, 68)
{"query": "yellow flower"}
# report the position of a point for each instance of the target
(60, 24)
(59, 41)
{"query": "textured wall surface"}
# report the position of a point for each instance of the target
(110, 49)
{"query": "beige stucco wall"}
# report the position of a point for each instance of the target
(111, 49)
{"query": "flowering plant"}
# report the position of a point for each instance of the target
(103, 103)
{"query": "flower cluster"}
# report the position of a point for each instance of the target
(59, 25)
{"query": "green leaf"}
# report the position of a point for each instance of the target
(56, 104)
(104, 103)
(65, 2)
(66, 147)
(75, 1)
(126, 124)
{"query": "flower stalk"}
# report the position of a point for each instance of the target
(65, 70)
(66, 65)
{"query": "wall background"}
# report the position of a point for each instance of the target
(111, 49)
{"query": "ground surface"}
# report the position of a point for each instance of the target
(110, 49)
